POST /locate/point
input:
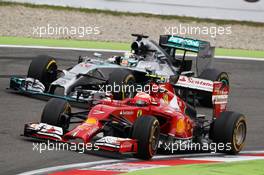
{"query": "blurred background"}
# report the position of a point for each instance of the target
(115, 20)
(241, 10)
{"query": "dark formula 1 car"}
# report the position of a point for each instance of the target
(143, 124)
(81, 82)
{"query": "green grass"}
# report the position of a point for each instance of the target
(7, 40)
(239, 53)
(183, 19)
(254, 167)
(63, 43)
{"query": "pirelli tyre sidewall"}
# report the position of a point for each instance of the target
(122, 77)
(56, 113)
(205, 98)
(230, 128)
(146, 131)
(44, 69)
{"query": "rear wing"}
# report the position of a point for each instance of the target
(196, 84)
(202, 48)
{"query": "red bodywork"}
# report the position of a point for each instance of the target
(165, 106)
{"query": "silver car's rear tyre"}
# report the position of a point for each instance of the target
(121, 78)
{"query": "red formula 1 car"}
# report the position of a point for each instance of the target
(144, 124)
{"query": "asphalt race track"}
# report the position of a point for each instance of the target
(247, 97)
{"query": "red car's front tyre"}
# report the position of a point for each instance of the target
(55, 113)
(146, 131)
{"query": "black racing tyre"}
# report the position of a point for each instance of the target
(230, 128)
(146, 131)
(251, 0)
(43, 68)
(120, 78)
(205, 98)
(56, 113)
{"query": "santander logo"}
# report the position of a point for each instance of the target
(195, 81)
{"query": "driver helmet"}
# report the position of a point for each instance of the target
(142, 99)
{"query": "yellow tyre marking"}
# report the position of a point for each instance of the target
(238, 147)
(156, 122)
(126, 80)
(67, 109)
(50, 63)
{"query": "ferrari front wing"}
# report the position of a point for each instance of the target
(55, 133)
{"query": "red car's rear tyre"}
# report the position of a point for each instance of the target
(146, 131)
(230, 128)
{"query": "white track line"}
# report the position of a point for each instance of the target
(114, 51)
(234, 158)
(252, 152)
(85, 164)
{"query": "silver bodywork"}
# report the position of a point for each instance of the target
(152, 62)
(156, 61)
(69, 77)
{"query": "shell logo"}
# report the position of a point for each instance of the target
(91, 120)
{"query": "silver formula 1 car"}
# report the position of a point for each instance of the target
(84, 81)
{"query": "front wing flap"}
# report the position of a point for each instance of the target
(43, 131)
(18, 85)
(108, 143)
(121, 145)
